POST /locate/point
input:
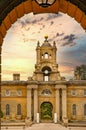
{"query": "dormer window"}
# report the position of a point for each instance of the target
(46, 55)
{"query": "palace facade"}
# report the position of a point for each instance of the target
(46, 93)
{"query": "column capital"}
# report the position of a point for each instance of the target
(29, 87)
(60, 87)
(64, 88)
(32, 86)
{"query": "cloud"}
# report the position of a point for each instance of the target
(59, 34)
(70, 37)
(30, 20)
(69, 44)
(52, 22)
(69, 40)
(50, 16)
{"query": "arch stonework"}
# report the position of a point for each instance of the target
(11, 10)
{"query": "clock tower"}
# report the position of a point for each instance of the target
(46, 67)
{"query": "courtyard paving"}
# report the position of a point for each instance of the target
(43, 126)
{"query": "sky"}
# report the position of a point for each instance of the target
(19, 46)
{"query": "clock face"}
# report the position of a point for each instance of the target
(45, 3)
(46, 72)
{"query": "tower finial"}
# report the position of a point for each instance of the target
(38, 44)
(46, 37)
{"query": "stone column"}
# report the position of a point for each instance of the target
(64, 103)
(57, 104)
(29, 102)
(35, 104)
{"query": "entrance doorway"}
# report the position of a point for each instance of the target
(46, 111)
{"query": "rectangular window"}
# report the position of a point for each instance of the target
(19, 92)
(7, 109)
(46, 78)
(73, 92)
(85, 110)
(85, 92)
(7, 92)
(74, 109)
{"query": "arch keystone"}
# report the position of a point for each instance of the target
(51, 9)
(63, 6)
(27, 6)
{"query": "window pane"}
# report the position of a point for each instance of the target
(19, 109)
(73, 92)
(7, 92)
(74, 109)
(19, 92)
(46, 78)
(7, 109)
(46, 55)
(84, 92)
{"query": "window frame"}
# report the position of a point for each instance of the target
(73, 109)
(7, 110)
(46, 55)
(73, 92)
(6, 92)
(84, 109)
(84, 92)
(19, 109)
(19, 92)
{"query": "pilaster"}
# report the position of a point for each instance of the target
(29, 102)
(64, 103)
(57, 104)
(35, 103)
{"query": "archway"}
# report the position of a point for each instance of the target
(46, 111)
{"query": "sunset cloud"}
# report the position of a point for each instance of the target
(18, 50)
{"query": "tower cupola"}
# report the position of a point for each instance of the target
(46, 67)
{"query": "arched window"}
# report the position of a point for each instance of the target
(85, 110)
(46, 55)
(7, 109)
(46, 92)
(19, 109)
(46, 73)
(74, 109)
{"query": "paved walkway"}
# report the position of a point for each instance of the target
(47, 126)
(43, 126)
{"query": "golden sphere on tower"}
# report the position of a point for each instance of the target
(46, 37)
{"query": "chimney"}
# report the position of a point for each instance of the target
(16, 77)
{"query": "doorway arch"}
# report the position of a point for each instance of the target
(46, 111)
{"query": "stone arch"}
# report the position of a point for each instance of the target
(11, 10)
